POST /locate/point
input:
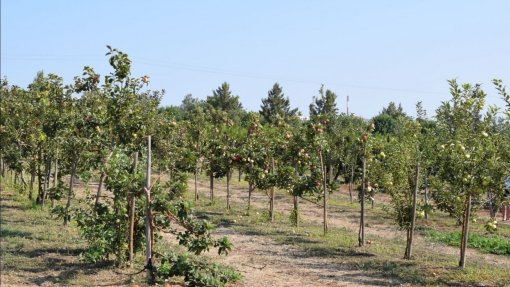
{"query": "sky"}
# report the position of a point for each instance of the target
(372, 51)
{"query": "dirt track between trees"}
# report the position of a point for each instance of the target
(264, 261)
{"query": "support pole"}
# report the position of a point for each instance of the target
(148, 218)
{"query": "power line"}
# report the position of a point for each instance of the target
(212, 70)
(273, 77)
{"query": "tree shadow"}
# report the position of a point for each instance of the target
(34, 253)
(5, 232)
(367, 268)
(54, 266)
(269, 232)
(206, 214)
(5, 206)
(299, 240)
(325, 251)
(361, 268)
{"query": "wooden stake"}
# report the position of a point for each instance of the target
(148, 218)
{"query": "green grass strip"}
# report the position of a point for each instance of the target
(487, 244)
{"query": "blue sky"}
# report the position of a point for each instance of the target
(373, 51)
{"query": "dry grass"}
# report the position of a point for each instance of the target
(37, 250)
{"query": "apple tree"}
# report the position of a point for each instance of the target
(399, 164)
(466, 161)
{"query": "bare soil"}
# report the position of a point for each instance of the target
(263, 260)
(266, 262)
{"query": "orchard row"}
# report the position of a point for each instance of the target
(96, 126)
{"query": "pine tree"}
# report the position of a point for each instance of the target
(325, 104)
(277, 106)
(223, 101)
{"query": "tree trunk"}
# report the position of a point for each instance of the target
(271, 195)
(426, 196)
(196, 184)
(55, 181)
(39, 178)
(47, 171)
(101, 179)
(229, 173)
(48, 174)
(23, 182)
(406, 252)
(170, 173)
(325, 184)
(296, 209)
(492, 205)
(250, 189)
(132, 208)
(351, 182)
(330, 175)
(465, 233)
(211, 186)
(31, 188)
(409, 248)
(361, 233)
(55, 173)
(240, 174)
(159, 157)
(148, 219)
(70, 191)
(99, 187)
(330, 172)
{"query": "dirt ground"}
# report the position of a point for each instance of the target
(262, 260)
(266, 262)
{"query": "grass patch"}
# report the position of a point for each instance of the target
(37, 250)
(488, 244)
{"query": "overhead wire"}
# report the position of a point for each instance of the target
(212, 70)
